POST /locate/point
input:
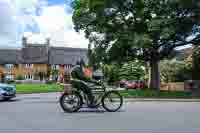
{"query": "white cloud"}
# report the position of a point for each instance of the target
(60, 27)
(15, 16)
(20, 17)
(77, 40)
(35, 38)
(8, 24)
(52, 18)
(26, 5)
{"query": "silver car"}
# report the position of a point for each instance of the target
(7, 91)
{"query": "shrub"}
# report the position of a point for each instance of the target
(175, 71)
(133, 70)
(19, 77)
(10, 81)
(49, 82)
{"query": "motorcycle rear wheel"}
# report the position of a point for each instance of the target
(71, 102)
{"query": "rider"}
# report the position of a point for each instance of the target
(80, 73)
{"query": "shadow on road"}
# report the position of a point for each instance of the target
(91, 111)
(95, 111)
(8, 101)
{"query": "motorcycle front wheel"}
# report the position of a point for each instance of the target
(112, 101)
(71, 102)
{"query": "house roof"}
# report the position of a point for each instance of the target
(34, 55)
(64, 55)
(10, 56)
(42, 55)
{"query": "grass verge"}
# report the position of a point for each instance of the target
(154, 94)
(37, 88)
(147, 93)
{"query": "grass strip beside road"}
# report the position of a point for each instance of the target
(37, 88)
(147, 93)
(154, 94)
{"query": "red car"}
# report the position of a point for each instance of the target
(136, 84)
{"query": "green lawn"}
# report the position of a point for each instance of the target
(153, 94)
(45, 88)
(37, 88)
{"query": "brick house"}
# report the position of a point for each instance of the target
(34, 61)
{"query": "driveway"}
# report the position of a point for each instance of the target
(41, 113)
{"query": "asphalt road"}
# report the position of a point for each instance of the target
(42, 114)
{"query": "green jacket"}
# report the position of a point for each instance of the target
(77, 73)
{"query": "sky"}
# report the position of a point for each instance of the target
(37, 20)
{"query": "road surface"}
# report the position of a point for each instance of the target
(41, 113)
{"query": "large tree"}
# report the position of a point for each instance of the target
(121, 30)
(196, 63)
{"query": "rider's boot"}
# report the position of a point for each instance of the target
(92, 103)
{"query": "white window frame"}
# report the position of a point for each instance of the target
(28, 77)
(67, 67)
(55, 67)
(9, 77)
(9, 66)
(28, 65)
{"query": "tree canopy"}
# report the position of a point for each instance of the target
(133, 70)
(121, 30)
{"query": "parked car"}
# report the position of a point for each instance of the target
(134, 84)
(7, 91)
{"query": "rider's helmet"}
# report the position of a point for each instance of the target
(76, 72)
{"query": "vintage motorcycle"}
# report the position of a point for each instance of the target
(102, 96)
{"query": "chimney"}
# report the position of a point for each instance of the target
(48, 47)
(24, 41)
(48, 41)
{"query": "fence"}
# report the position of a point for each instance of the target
(173, 86)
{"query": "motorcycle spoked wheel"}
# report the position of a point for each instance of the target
(71, 102)
(112, 101)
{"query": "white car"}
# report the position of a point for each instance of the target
(7, 91)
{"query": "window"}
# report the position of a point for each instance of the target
(55, 67)
(55, 77)
(9, 77)
(29, 65)
(9, 66)
(67, 67)
(28, 76)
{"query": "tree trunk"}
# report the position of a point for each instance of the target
(154, 82)
(196, 71)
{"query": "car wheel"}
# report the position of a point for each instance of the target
(6, 99)
(1, 97)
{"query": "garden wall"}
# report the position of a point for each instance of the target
(173, 86)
